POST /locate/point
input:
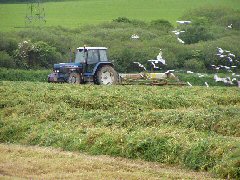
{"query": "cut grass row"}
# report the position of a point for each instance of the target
(192, 127)
(73, 14)
(47, 163)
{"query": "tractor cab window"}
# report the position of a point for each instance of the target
(93, 56)
(103, 55)
(80, 56)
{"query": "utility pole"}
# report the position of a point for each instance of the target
(35, 14)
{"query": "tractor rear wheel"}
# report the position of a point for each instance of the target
(106, 75)
(74, 78)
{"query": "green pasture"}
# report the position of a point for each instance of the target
(73, 14)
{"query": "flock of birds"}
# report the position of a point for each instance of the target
(178, 32)
(157, 63)
(228, 57)
(225, 56)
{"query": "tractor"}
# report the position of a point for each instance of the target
(91, 65)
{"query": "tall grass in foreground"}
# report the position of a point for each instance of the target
(196, 127)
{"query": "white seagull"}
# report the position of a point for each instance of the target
(230, 54)
(183, 22)
(189, 84)
(206, 84)
(230, 26)
(140, 65)
(181, 41)
(154, 65)
(134, 36)
(220, 50)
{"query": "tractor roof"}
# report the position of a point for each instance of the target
(92, 48)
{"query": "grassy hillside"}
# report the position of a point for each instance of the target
(72, 14)
(197, 127)
(49, 163)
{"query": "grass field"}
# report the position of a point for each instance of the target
(47, 163)
(76, 13)
(196, 128)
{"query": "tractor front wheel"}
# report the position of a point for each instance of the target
(106, 75)
(74, 78)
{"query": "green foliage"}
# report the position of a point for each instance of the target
(197, 31)
(199, 157)
(23, 75)
(194, 65)
(6, 60)
(202, 37)
(161, 24)
(35, 55)
(122, 20)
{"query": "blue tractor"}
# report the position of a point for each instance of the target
(91, 65)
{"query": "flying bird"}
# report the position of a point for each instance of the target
(189, 84)
(181, 41)
(220, 50)
(230, 54)
(140, 65)
(183, 22)
(229, 26)
(206, 84)
(154, 65)
(134, 36)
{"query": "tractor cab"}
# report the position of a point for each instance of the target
(90, 56)
(91, 65)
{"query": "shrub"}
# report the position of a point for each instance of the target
(197, 31)
(35, 55)
(7, 44)
(122, 20)
(161, 24)
(194, 65)
(6, 60)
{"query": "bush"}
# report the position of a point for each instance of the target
(7, 44)
(197, 31)
(122, 20)
(6, 60)
(36, 55)
(194, 65)
(161, 24)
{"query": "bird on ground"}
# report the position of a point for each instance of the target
(140, 65)
(189, 72)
